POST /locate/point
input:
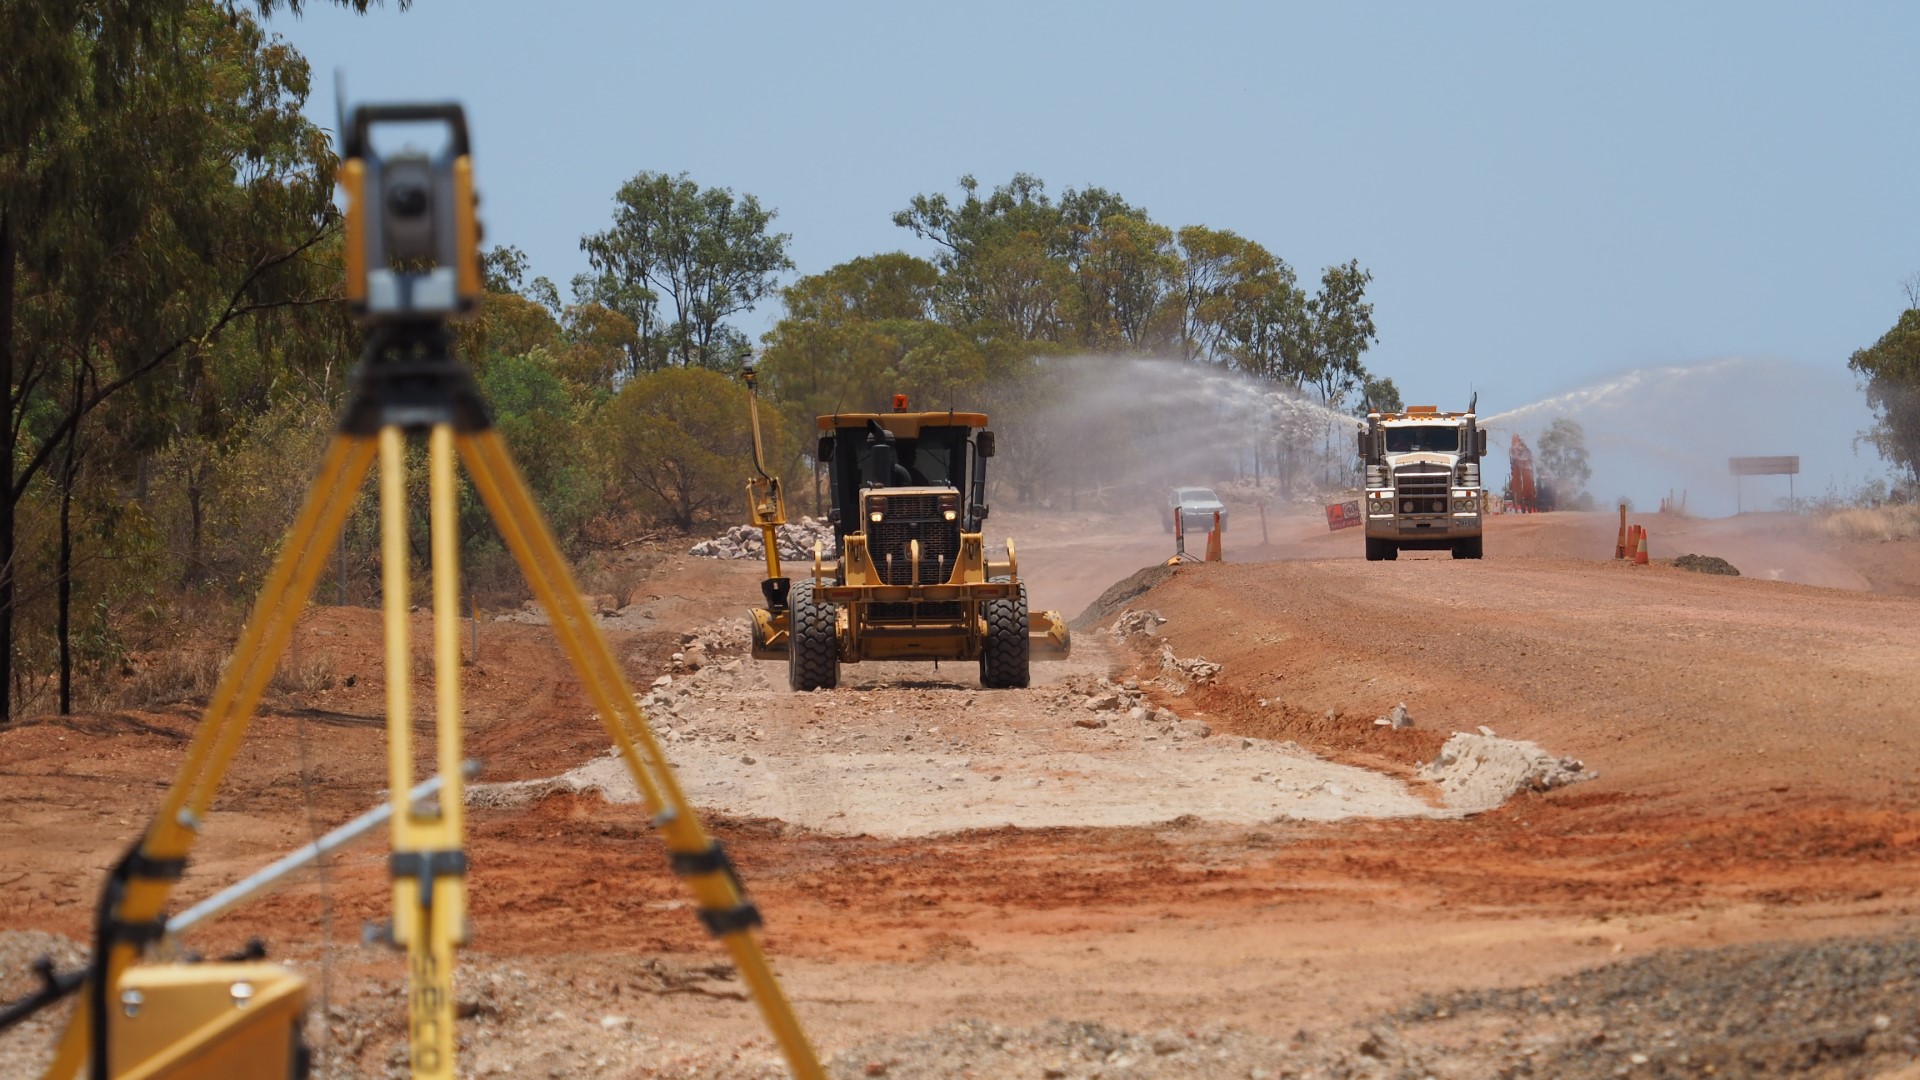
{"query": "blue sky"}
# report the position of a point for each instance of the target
(1547, 195)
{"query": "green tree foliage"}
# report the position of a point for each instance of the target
(540, 420)
(597, 339)
(1095, 272)
(174, 191)
(707, 253)
(503, 269)
(1336, 329)
(1890, 369)
(1380, 394)
(860, 332)
(677, 446)
(1238, 305)
(1561, 461)
(1090, 270)
(1018, 276)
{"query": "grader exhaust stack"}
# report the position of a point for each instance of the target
(909, 577)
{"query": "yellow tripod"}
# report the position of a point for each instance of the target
(409, 383)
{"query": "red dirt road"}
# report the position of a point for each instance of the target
(1752, 740)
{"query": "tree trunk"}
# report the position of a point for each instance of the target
(7, 259)
(197, 516)
(64, 589)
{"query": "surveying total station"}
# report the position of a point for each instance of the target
(413, 262)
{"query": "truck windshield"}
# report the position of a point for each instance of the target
(1439, 438)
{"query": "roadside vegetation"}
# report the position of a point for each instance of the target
(174, 353)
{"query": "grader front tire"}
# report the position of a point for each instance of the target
(813, 645)
(1004, 655)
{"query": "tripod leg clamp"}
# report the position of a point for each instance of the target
(714, 860)
(427, 865)
(139, 866)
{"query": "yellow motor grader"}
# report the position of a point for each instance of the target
(909, 577)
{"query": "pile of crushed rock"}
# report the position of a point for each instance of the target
(1103, 703)
(1480, 772)
(744, 542)
(1177, 674)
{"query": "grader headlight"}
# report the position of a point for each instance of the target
(876, 508)
(950, 507)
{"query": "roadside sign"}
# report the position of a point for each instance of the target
(1343, 515)
(1787, 465)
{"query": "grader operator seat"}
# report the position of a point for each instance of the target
(884, 465)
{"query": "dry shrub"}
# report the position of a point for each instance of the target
(615, 573)
(187, 675)
(1878, 523)
(166, 677)
(302, 674)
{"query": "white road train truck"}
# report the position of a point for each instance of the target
(1423, 481)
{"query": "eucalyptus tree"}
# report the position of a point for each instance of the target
(157, 184)
(1890, 374)
(709, 254)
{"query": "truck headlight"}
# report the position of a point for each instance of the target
(1465, 506)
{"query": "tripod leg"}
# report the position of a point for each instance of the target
(694, 855)
(428, 859)
(149, 874)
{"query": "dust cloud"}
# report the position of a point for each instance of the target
(1652, 430)
(1108, 431)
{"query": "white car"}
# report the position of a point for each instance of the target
(1197, 506)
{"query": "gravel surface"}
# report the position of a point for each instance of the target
(1845, 1007)
(1842, 1008)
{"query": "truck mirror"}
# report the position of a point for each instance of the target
(1363, 444)
(824, 452)
(984, 441)
(1481, 450)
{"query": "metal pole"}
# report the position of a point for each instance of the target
(260, 880)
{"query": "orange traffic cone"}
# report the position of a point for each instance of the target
(1640, 553)
(1213, 539)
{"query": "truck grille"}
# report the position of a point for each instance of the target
(1422, 489)
(908, 518)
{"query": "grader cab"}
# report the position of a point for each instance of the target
(910, 577)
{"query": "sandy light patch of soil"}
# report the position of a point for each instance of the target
(905, 750)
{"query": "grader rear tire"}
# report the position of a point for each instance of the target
(1004, 655)
(813, 641)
